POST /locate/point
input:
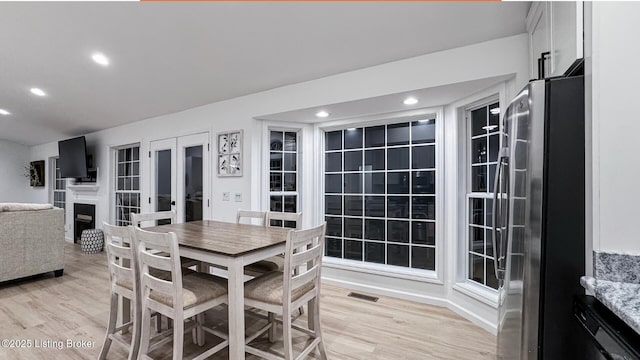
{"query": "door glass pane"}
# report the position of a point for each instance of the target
(163, 182)
(193, 180)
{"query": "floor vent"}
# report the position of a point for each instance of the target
(363, 297)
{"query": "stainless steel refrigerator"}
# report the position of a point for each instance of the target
(539, 220)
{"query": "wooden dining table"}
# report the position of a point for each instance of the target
(231, 246)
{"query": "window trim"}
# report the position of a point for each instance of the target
(469, 286)
(113, 178)
(53, 182)
(264, 197)
(427, 276)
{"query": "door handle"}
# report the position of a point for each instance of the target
(497, 214)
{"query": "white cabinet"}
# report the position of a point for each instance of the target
(555, 29)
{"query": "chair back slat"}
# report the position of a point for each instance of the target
(121, 258)
(284, 216)
(306, 255)
(157, 284)
(136, 219)
(305, 278)
(149, 245)
(156, 261)
(303, 246)
(250, 214)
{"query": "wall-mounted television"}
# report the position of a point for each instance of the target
(73, 158)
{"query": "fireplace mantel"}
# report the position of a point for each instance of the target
(85, 189)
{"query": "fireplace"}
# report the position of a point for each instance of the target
(84, 217)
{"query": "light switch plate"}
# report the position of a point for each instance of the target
(225, 196)
(238, 197)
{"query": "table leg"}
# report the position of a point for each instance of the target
(236, 310)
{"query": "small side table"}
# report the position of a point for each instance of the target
(92, 241)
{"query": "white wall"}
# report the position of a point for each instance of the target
(14, 186)
(615, 123)
(506, 56)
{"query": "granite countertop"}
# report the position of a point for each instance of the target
(622, 298)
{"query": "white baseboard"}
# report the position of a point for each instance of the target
(68, 239)
(421, 298)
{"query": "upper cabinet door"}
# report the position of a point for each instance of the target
(538, 26)
(566, 35)
(555, 27)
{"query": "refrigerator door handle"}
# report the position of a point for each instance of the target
(497, 215)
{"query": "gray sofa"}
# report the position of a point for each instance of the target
(32, 242)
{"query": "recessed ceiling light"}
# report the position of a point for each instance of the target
(38, 91)
(410, 101)
(4, 112)
(322, 114)
(495, 111)
(100, 58)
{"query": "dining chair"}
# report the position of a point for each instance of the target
(249, 215)
(279, 292)
(123, 275)
(176, 297)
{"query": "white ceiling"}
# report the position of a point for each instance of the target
(168, 57)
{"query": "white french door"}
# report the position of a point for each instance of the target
(180, 176)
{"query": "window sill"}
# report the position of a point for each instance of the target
(383, 270)
(489, 297)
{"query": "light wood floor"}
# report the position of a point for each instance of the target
(75, 306)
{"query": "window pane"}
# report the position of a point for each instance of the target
(423, 157)
(374, 229)
(289, 182)
(492, 177)
(476, 268)
(353, 228)
(275, 181)
(423, 233)
(333, 183)
(489, 212)
(334, 140)
(290, 141)
(398, 255)
(276, 140)
(478, 121)
(374, 183)
(374, 252)
(494, 147)
(374, 136)
(479, 178)
(494, 119)
(135, 153)
(423, 182)
(423, 258)
(398, 207)
(398, 183)
(423, 131)
(275, 162)
(334, 226)
(398, 231)
(333, 247)
(492, 281)
(353, 183)
(290, 203)
(398, 158)
(398, 134)
(374, 206)
(476, 211)
(333, 204)
(353, 160)
(333, 162)
(353, 205)
(290, 162)
(479, 150)
(476, 239)
(423, 207)
(135, 169)
(276, 203)
(353, 138)
(489, 242)
(374, 160)
(353, 250)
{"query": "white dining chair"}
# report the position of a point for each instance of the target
(246, 216)
(176, 297)
(281, 292)
(123, 276)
